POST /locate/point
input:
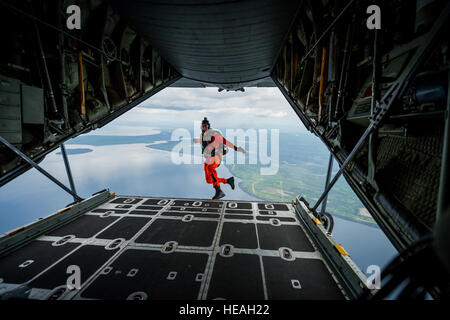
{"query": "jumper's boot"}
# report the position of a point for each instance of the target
(230, 181)
(219, 193)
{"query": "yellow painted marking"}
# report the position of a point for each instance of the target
(12, 232)
(317, 221)
(112, 194)
(63, 210)
(341, 249)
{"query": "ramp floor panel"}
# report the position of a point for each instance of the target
(125, 228)
(84, 227)
(238, 216)
(195, 214)
(128, 200)
(185, 249)
(160, 276)
(24, 264)
(239, 235)
(300, 279)
(280, 236)
(88, 258)
(193, 233)
(144, 212)
(242, 275)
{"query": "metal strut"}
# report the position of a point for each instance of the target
(391, 95)
(35, 165)
(69, 172)
(327, 182)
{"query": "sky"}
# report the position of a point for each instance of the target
(174, 107)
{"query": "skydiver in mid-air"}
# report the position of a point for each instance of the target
(214, 146)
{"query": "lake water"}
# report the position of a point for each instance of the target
(134, 169)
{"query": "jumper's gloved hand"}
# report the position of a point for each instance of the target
(240, 149)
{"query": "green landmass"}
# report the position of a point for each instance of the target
(303, 164)
(99, 140)
(291, 181)
(76, 151)
(165, 146)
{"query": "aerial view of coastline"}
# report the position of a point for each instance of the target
(300, 173)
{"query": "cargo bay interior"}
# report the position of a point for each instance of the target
(378, 100)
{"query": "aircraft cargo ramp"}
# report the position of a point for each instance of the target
(166, 248)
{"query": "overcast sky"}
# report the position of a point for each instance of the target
(180, 107)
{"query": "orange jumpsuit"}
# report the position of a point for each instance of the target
(213, 158)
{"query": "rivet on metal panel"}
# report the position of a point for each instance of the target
(172, 275)
(129, 200)
(286, 254)
(269, 206)
(132, 272)
(63, 240)
(106, 214)
(226, 251)
(169, 247)
(232, 205)
(296, 284)
(163, 202)
(275, 222)
(114, 244)
(107, 270)
(199, 277)
(197, 204)
(188, 218)
(138, 296)
(26, 264)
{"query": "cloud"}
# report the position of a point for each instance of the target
(181, 107)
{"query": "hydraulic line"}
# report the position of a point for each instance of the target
(306, 56)
(344, 70)
(46, 74)
(322, 81)
(81, 85)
